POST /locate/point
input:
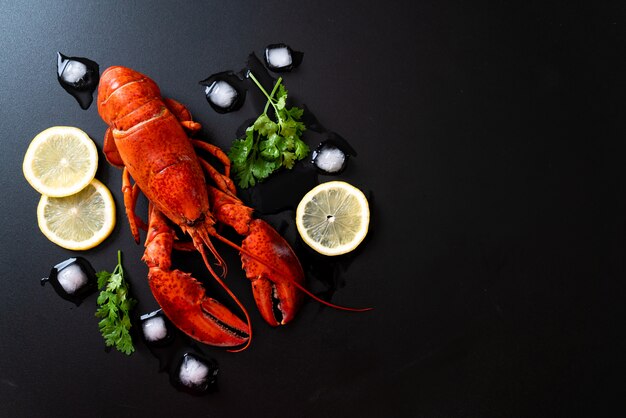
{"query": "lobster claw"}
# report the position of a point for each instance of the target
(268, 260)
(275, 293)
(184, 302)
(182, 297)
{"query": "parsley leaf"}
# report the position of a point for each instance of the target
(269, 144)
(114, 308)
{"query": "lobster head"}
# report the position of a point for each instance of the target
(122, 91)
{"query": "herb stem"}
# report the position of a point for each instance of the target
(269, 96)
(119, 262)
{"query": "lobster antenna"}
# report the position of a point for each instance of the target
(199, 245)
(281, 273)
(205, 240)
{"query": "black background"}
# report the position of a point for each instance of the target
(490, 139)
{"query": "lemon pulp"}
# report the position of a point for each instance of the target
(79, 221)
(60, 161)
(333, 218)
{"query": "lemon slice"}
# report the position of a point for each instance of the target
(60, 161)
(333, 218)
(80, 221)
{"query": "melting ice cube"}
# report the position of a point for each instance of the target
(329, 158)
(193, 372)
(279, 57)
(73, 72)
(154, 329)
(224, 91)
(221, 94)
(72, 278)
(79, 77)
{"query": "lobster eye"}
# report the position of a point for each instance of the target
(194, 222)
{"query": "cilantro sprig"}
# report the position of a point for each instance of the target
(269, 144)
(114, 308)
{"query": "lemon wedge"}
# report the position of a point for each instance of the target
(333, 218)
(60, 161)
(80, 221)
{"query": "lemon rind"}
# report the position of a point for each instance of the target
(341, 249)
(42, 188)
(97, 238)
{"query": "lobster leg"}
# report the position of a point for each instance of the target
(110, 150)
(216, 152)
(183, 115)
(131, 192)
(182, 297)
(222, 182)
(268, 260)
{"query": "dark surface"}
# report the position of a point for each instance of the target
(490, 138)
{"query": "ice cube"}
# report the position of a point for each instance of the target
(279, 57)
(193, 372)
(221, 94)
(154, 329)
(329, 159)
(224, 91)
(72, 278)
(73, 72)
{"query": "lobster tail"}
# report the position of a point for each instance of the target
(121, 92)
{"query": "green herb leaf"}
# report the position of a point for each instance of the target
(289, 159)
(281, 97)
(262, 168)
(265, 126)
(103, 278)
(302, 149)
(240, 149)
(114, 308)
(296, 113)
(269, 144)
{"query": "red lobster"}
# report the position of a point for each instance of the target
(148, 138)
